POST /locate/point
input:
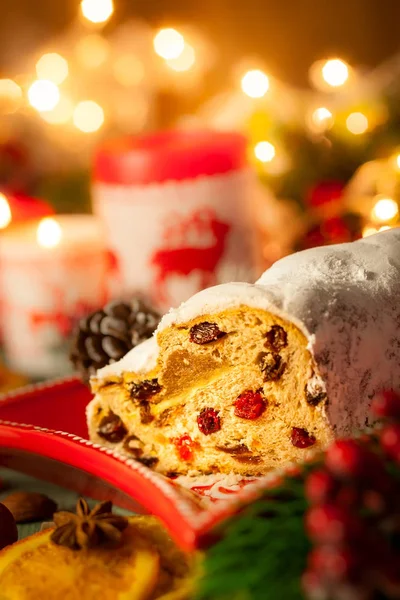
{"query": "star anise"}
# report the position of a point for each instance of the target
(88, 528)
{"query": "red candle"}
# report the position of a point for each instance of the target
(17, 208)
(175, 206)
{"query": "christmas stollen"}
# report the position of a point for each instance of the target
(244, 378)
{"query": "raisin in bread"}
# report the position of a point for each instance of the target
(244, 378)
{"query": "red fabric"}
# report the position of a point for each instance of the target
(169, 156)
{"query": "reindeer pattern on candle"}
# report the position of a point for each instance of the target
(194, 243)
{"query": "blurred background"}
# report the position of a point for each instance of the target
(313, 88)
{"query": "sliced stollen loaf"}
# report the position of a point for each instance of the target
(243, 378)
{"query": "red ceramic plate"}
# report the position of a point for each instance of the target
(43, 433)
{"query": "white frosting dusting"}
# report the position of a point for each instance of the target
(140, 359)
(344, 298)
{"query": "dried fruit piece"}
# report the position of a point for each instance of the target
(133, 445)
(208, 421)
(250, 405)
(164, 417)
(8, 527)
(314, 391)
(111, 428)
(145, 413)
(204, 333)
(148, 461)
(145, 389)
(300, 438)
(184, 446)
(26, 507)
(276, 338)
(271, 365)
(234, 450)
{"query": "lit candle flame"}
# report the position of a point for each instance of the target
(385, 209)
(48, 233)
(5, 212)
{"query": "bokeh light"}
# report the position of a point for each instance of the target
(88, 116)
(92, 51)
(335, 72)
(61, 113)
(184, 61)
(10, 96)
(49, 233)
(368, 230)
(52, 66)
(255, 83)
(97, 11)
(169, 43)
(128, 70)
(321, 119)
(264, 151)
(43, 95)
(385, 209)
(357, 123)
(5, 212)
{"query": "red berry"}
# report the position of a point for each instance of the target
(319, 486)
(300, 438)
(250, 405)
(390, 441)
(347, 496)
(333, 563)
(333, 524)
(386, 404)
(348, 458)
(208, 421)
(312, 584)
(184, 445)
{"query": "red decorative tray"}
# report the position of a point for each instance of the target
(43, 433)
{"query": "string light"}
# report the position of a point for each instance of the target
(43, 95)
(92, 51)
(385, 210)
(62, 113)
(255, 83)
(169, 43)
(368, 230)
(88, 116)
(321, 119)
(97, 11)
(10, 96)
(184, 61)
(335, 72)
(397, 161)
(128, 70)
(264, 151)
(48, 233)
(53, 67)
(357, 123)
(5, 212)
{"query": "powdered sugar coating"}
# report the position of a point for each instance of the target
(344, 298)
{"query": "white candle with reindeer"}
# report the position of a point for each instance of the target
(176, 207)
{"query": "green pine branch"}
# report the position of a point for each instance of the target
(263, 550)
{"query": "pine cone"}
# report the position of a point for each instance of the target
(107, 335)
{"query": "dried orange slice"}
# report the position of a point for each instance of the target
(37, 568)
